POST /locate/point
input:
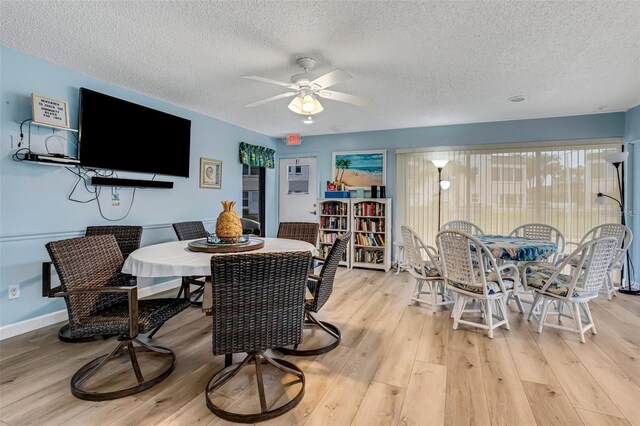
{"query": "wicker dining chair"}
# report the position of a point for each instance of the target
(471, 271)
(102, 301)
(592, 261)
(258, 304)
(463, 226)
(191, 231)
(301, 231)
(623, 236)
(426, 271)
(128, 239)
(541, 231)
(321, 286)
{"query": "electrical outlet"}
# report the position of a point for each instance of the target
(14, 291)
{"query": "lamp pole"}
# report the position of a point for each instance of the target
(439, 196)
(617, 159)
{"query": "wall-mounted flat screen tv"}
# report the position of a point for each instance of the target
(119, 135)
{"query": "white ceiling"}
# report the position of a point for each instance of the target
(423, 63)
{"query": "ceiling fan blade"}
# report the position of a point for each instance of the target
(268, 80)
(345, 97)
(331, 78)
(273, 98)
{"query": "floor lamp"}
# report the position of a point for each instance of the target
(616, 159)
(442, 185)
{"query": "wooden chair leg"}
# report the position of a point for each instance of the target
(578, 320)
(489, 317)
(587, 312)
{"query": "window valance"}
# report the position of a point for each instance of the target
(254, 155)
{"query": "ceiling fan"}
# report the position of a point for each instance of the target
(307, 91)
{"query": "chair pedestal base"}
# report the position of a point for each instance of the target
(312, 321)
(90, 369)
(259, 359)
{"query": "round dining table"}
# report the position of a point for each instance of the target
(518, 249)
(174, 259)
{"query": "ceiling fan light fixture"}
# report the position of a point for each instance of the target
(308, 103)
(305, 105)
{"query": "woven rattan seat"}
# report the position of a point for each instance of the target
(114, 319)
(258, 304)
(128, 240)
(321, 287)
(301, 231)
(101, 300)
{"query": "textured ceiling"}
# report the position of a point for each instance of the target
(423, 63)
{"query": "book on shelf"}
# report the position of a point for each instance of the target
(368, 256)
(332, 222)
(369, 209)
(370, 225)
(335, 208)
(371, 240)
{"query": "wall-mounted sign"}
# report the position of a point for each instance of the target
(50, 111)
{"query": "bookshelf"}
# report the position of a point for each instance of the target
(334, 221)
(371, 227)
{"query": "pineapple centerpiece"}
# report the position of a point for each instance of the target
(228, 225)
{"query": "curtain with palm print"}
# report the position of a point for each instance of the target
(255, 155)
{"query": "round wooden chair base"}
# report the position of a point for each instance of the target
(64, 335)
(224, 375)
(144, 383)
(329, 328)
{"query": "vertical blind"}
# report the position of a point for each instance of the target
(502, 188)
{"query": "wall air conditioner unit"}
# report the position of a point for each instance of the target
(298, 178)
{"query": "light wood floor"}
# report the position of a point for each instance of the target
(397, 364)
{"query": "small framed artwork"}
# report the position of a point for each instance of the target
(210, 173)
(49, 111)
(360, 169)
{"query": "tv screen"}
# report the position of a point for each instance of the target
(119, 135)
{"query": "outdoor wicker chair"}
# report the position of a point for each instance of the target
(426, 270)
(258, 304)
(128, 239)
(102, 301)
(321, 287)
(463, 226)
(191, 231)
(591, 263)
(301, 231)
(250, 227)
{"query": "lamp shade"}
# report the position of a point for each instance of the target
(305, 105)
(616, 157)
(439, 163)
(445, 184)
(600, 199)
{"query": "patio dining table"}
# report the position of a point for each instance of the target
(518, 249)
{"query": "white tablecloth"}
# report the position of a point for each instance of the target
(174, 259)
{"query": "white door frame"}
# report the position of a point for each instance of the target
(289, 157)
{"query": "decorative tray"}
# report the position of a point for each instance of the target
(249, 244)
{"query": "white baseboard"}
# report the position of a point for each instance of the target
(21, 327)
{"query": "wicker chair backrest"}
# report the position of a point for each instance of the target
(301, 231)
(463, 226)
(465, 259)
(599, 258)
(541, 231)
(620, 232)
(127, 237)
(258, 300)
(324, 288)
(412, 246)
(190, 230)
(88, 262)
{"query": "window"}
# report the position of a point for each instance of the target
(501, 188)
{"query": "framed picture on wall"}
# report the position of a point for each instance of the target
(210, 173)
(360, 169)
(50, 111)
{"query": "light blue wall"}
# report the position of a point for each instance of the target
(33, 199)
(632, 137)
(576, 127)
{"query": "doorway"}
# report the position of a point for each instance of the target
(253, 195)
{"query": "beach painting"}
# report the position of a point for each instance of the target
(360, 169)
